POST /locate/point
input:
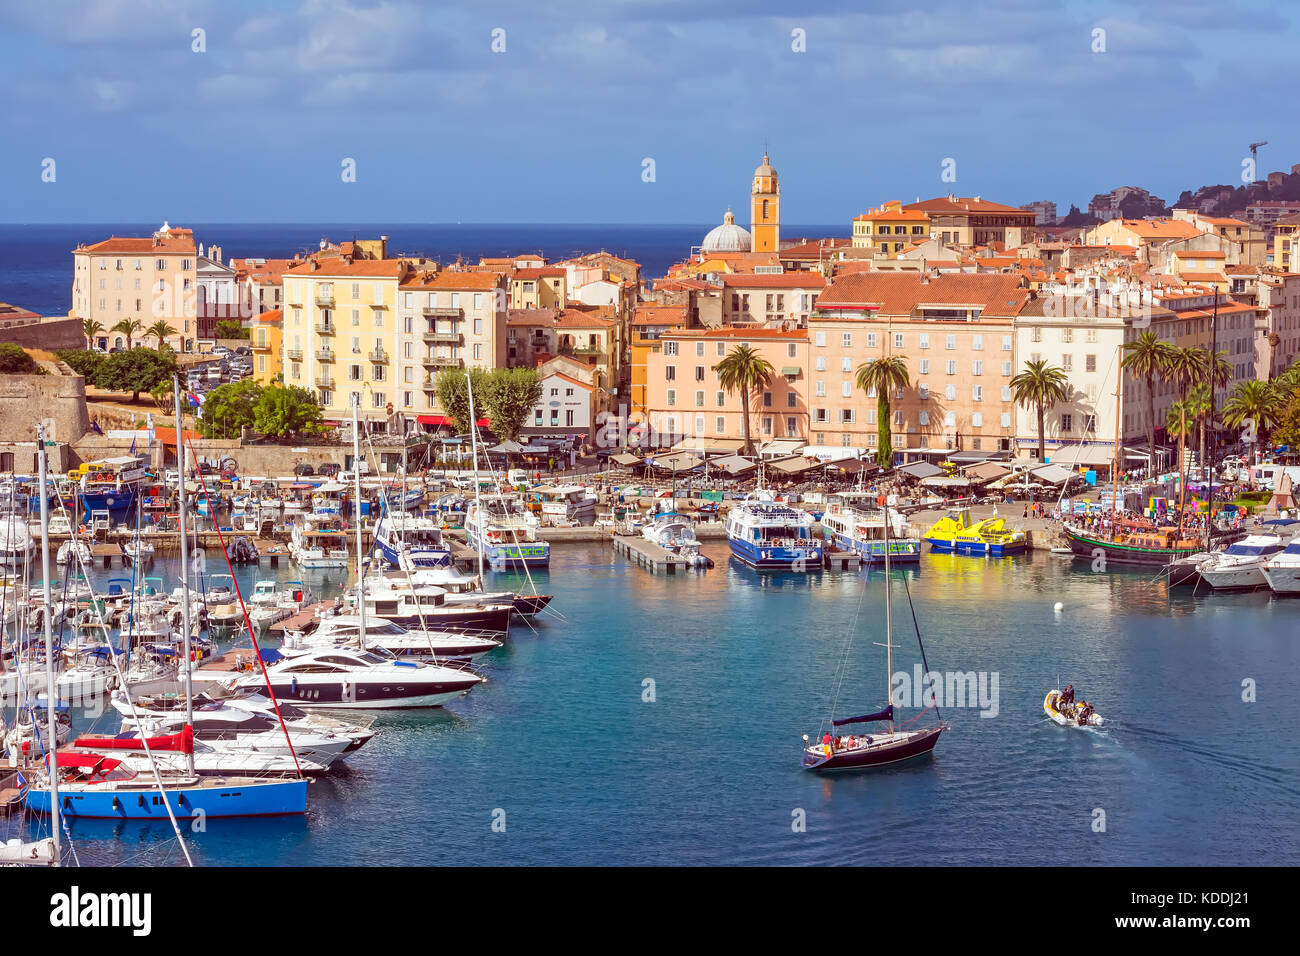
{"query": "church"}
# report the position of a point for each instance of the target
(764, 233)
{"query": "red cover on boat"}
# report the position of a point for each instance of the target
(68, 759)
(182, 742)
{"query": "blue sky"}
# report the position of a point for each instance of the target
(556, 128)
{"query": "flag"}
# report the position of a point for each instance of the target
(132, 451)
(196, 400)
(95, 426)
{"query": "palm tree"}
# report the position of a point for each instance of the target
(884, 375)
(1180, 423)
(129, 328)
(161, 330)
(744, 371)
(1256, 405)
(1148, 357)
(91, 327)
(1214, 374)
(1040, 386)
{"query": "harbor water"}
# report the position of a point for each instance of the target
(657, 719)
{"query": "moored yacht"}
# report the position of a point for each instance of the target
(566, 503)
(346, 678)
(1282, 570)
(1240, 567)
(345, 630)
(411, 604)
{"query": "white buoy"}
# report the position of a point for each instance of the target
(1058, 607)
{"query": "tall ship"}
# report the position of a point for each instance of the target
(854, 521)
(768, 535)
(1146, 547)
(113, 485)
(505, 532)
(411, 541)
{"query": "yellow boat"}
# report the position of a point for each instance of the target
(955, 533)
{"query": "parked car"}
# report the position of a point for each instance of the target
(304, 470)
(243, 350)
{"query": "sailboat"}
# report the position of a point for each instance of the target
(862, 751)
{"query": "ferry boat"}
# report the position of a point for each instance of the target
(112, 485)
(318, 541)
(955, 533)
(407, 540)
(854, 521)
(566, 503)
(505, 532)
(768, 535)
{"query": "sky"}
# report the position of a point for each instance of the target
(629, 111)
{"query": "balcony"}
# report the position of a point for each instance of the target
(294, 355)
(323, 380)
(325, 328)
(442, 338)
(435, 313)
(324, 355)
(260, 345)
(379, 356)
(443, 361)
(324, 297)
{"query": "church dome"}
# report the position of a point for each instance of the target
(766, 169)
(727, 237)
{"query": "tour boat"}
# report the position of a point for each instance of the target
(862, 751)
(505, 532)
(1282, 571)
(112, 485)
(675, 533)
(345, 678)
(569, 503)
(411, 540)
(1069, 714)
(1240, 567)
(854, 521)
(318, 542)
(768, 535)
(955, 533)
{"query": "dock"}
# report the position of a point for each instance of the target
(837, 560)
(650, 555)
(304, 617)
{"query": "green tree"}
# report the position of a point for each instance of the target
(453, 395)
(1255, 407)
(884, 375)
(15, 361)
(284, 410)
(82, 361)
(130, 328)
(745, 371)
(161, 331)
(228, 408)
(1040, 386)
(512, 393)
(1148, 358)
(231, 329)
(135, 371)
(1287, 431)
(91, 328)
(163, 397)
(1180, 423)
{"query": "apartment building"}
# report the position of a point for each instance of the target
(890, 229)
(541, 287)
(145, 279)
(266, 339)
(773, 300)
(974, 221)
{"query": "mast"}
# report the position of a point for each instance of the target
(473, 444)
(889, 624)
(185, 568)
(356, 478)
(1119, 400)
(51, 691)
(1209, 422)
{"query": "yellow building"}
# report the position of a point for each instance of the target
(543, 287)
(890, 229)
(765, 209)
(266, 339)
(340, 334)
(1286, 244)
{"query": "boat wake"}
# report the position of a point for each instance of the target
(1277, 778)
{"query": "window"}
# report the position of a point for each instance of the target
(1067, 422)
(1067, 363)
(898, 340)
(1006, 393)
(670, 348)
(846, 340)
(1090, 363)
(977, 368)
(819, 339)
(699, 373)
(924, 366)
(1006, 343)
(820, 388)
(846, 364)
(977, 393)
(898, 416)
(1006, 420)
(950, 418)
(819, 415)
(699, 423)
(356, 316)
(925, 340)
(722, 399)
(924, 417)
(1006, 368)
(1067, 335)
(767, 425)
(791, 350)
(846, 389)
(950, 342)
(951, 366)
(790, 399)
(670, 373)
(923, 392)
(378, 400)
(478, 326)
(1091, 336)
(977, 419)
(699, 399)
(720, 424)
(672, 397)
(821, 363)
(871, 340)
(722, 350)
(699, 349)
(977, 343)
(847, 416)
(950, 393)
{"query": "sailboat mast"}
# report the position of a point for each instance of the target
(473, 444)
(1208, 464)
(889, 624)
(51, 693)
(356, 478)
(1119, 399)
(185, 566)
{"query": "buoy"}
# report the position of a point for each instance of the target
(1058, 607)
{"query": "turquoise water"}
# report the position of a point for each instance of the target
(743, 664)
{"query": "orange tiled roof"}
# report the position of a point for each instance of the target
(959, 204)
(175, 245)
(545, 272)
(899, 293)
(452, 280)
(785, 280)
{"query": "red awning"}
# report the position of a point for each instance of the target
(444, 420)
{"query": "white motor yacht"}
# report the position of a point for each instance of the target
(344, 630)
(347, 678)
(1282, 570)
(1240, 567)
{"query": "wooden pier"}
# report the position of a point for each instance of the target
(841, 560)
(652, 556)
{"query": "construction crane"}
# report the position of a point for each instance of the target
(1254, 149)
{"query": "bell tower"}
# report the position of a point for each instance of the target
(765, 209)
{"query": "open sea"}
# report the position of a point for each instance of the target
(587, 771)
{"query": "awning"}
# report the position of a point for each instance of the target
(920, 469)
(945, 481)
(733, 464)
(625, 459)
(796, 466)
(507, 448)
(987, 471)
(791, 370)
(676, 463)
(970, 457)
(782, 447)
(1073, 455)
(723, 446)
(1053, 474)
(444, 420)
(854, 465)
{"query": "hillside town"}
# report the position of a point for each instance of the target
(956, 297)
